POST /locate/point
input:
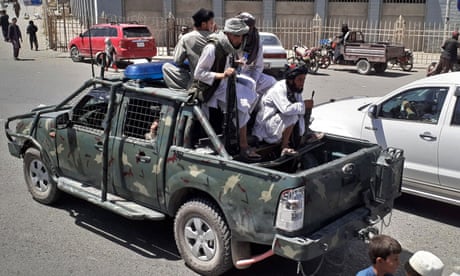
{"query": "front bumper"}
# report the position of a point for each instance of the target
(327, 238)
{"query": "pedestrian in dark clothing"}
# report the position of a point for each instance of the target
(5, 22)
(448, 55)
(32, 31)
(15, 37)
(16, 8)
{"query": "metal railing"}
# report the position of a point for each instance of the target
(423, 38)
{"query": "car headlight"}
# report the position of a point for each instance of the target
(291, 209)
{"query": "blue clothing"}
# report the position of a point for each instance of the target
(369, 272)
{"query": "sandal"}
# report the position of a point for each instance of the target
(288, 152)
(250, 155)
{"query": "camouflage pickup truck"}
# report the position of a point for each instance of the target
(97, 145)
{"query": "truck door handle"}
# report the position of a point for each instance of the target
(427, 136)
(141, 157)
(99, 146)
(370, 128)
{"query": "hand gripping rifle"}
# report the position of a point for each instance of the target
(306, 118)
(231, 114)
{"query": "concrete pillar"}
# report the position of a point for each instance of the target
(269, 16)
(321, 9)
(374, 11)
(218, 8)
(169, 7)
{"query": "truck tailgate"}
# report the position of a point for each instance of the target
(350, 182)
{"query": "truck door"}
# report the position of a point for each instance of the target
(411, 120)
(449, 168)
(136, 151)
(80, 145)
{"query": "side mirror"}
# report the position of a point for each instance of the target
(372, 111)
(63, 121)
(80, 35)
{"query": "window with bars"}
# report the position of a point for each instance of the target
(92, 109)
(142, 118)
(350, 1)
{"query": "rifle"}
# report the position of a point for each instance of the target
(231, 114)
(306, 118)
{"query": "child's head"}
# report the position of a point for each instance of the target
(424, 263)
(384, 253)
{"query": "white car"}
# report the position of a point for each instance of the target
(422, 118)
(275, 56)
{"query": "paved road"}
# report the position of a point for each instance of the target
(76, 238)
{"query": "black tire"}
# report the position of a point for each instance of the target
(380, 67)
(313, 66)
(363, 66)
(203, 237)
(407, 66)
(75, 54)
(431, 67)
(325, 62)
(39, 182)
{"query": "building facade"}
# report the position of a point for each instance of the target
(272, 11)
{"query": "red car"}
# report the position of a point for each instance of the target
(131, 41)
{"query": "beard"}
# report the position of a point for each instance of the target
(292, 87)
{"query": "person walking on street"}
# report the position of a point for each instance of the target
(15, 37)
(448, 56)
(16, 8)
(32, 31)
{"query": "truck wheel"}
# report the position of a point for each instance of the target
(363, 66)
(203, 237)
(39, 183)
(380, 67)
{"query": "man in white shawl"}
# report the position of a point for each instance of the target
(214, 69)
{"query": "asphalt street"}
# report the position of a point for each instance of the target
(74, 237)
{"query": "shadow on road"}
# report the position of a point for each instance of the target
(429, 209)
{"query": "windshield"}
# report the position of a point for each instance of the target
(136, 32)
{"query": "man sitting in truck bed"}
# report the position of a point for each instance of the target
(281, 108)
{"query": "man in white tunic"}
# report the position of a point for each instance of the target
(281, 108)
(214, 68)
(189, 47)
(254, 56)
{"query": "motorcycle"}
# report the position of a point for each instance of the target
(305, 56)
(325, 56)
(434, 64)
(406, 62)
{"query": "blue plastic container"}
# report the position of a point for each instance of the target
(145, 71)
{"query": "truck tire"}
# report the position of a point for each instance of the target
(363, 66)
(203, 237)
(380, 67)
(39, 183)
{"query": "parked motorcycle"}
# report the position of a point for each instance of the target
(305, 56)
(406, 62)
(325, 56)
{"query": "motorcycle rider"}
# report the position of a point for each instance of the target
(342, 39)
(448, 56)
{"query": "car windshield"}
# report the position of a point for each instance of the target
(270, 40)
(136, 32)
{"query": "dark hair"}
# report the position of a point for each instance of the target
(410, 271)
(31, 22)
(202, 15)
(383, 246)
